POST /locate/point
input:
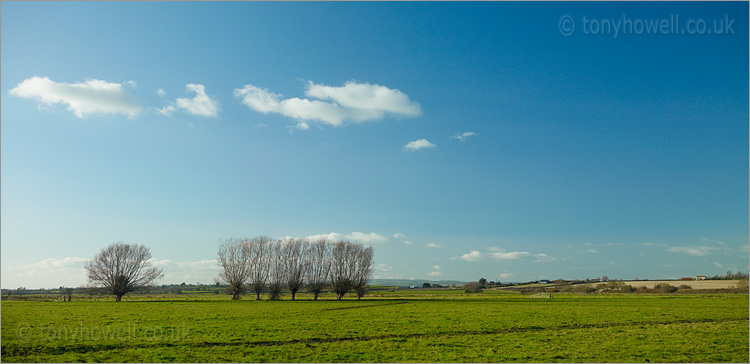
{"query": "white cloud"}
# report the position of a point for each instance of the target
(70, 271)
(473, 256)
(399, 235)
(161, 93)
(48, 273)
(718, 264)
(436, 271)
(132, 84)
(592, 251)
(418, 144)
(83, 99)
(384, 271)
(660, 245)
(506, 275)
(371, 238)
(543, 258)
(433, 245)
(201, 104)
(508, 255)
(408, 242)
(203, 271)
(462, 136)
(698, 251)
(353, 102)
(498, 254)
(714, 241)
(331, 237)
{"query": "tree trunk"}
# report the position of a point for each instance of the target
(257, 296)
(339, 296)
(235, 296)
(293, 293)
(119, 298)
(315, 296)
(70, 298)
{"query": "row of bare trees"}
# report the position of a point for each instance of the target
(262, 263)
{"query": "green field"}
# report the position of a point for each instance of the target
(402, 326)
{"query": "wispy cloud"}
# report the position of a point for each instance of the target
(498, 254)
(201, 104)
(365, 238)
(433, 245)
(714, 241)
(472, 256)
(399, 235)
(329, 236)
(658, 245)
(436, 271)
(543, 258)
(70, 271)
(332, 105)
(385, 271)
(508, 255)
(93, 97)
(463, 136)
(418, 144)
(371, 238)
(698, 251)
(408, 242)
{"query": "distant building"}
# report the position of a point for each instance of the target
(700, 278)
(686, 278)
(546, 281)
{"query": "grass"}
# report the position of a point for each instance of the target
(401, 326)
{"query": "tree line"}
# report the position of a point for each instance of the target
(249, 265)
(262, 263)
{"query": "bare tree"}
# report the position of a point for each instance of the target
(294, 253)
(342, 264)
(259, 264)
(362, 270)
(121, 268)
(234, 260)
(318, 266)
(277, 272)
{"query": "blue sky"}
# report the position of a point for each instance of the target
(461, 140)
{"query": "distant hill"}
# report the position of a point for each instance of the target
(411, 282)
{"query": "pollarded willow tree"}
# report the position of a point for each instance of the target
(362, 271)
(122, 268)
(342, 267)
(294, 263)
(276, 274)
(233, 260)
(318, 266)
(350, 268)
(259, 262)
